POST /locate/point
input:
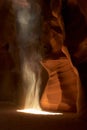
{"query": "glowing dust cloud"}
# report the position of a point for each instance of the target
(38, 112)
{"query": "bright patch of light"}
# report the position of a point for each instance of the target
(38, 112)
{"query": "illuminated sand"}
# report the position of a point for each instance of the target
(36, 112)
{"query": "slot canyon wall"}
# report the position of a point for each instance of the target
(75, 18)
(75, 25)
